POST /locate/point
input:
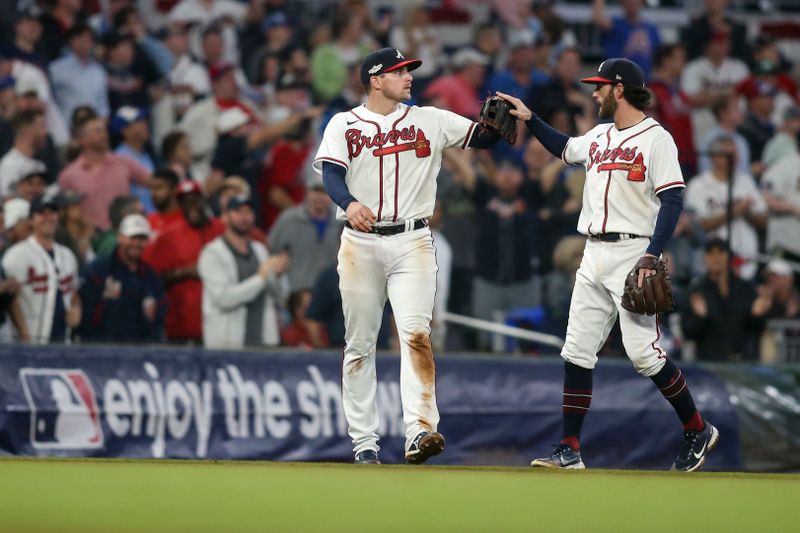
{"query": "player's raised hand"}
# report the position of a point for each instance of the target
(360, 217)
(520, 110)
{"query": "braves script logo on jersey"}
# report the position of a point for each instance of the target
(357, 141)
(607, 160)
(64, 411)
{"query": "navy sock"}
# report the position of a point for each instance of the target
(577, 399)
(670, 382)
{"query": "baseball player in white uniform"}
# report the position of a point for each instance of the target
(631, 202)
(379, 163)
(48, 276)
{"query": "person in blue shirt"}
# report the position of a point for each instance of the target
(130, 125)
(627, 35)
(123, 297)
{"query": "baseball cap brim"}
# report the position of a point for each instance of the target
(596, 79)
(411, 64)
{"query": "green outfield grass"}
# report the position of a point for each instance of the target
(176, 496)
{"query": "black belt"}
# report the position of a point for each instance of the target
(394, 229)
(614, 237)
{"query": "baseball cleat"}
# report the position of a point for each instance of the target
(696, 445)
(367, 457)
(563, 456)
(424, 446)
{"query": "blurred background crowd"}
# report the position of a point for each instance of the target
(155, 165)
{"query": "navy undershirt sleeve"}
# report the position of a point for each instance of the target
(552, 139)
(335, 185)
(668, 214)
(483, 137)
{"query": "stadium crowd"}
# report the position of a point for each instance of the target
(155, 168)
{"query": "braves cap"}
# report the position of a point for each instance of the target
(188, 187)
(618, 70)
(385, 60)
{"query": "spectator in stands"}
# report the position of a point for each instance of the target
(712, 20)
(163, 189)
(781, 192)
(505, 244)
(125, 86)
(150, 57)
(242, 284)
(184, 72)
(27, 33)
(30, 136)
(724, 315)
(200, 120)
(709, 77)
(672, 107)
(757, 126)
(100, 174)
(73, 230)
(779, 287)
(7, 108)
(559, 282)
(77, 78)
(555, 209)
(120, 207)
(309, 234)
(627, 35)
(122, 296)
(32, 184)
(783, 143)
(199, 14)
(174, 255)
(277, 36)
(729, 117)
(324, 314)
(48, 275)
(297, 333)
(16, 222)
(57, 23)
(416, 37)
(707, 198)
(29, 97)
(212, 48)
(520, 74)
(488, 40)
(177, 154)
(459, 92)
(330, 61)
(132, 126)
(560, 101)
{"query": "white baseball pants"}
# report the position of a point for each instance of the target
(402, 267)
(596, 303)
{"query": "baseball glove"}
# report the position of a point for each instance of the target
(655, 294)
(495, 115)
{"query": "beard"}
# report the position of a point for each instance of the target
(242, 230)
(608, 107)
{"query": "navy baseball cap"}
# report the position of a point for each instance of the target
(385, 60)
(618, 70)
(239, 201)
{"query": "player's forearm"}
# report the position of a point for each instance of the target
(668, 215)
(553, 140)
(335, 185)
(483, 138)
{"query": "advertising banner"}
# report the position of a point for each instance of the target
(111, 401)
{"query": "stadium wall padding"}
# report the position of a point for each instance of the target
(112, 401)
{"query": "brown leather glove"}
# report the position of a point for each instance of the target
(655, 294)
(495, 115)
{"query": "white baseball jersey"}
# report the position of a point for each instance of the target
(39, 276)
(783, 181)
(707, 197)
(625, 170)
(379, 152)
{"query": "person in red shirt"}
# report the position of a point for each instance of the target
(283, 183)
(458, 92)
(163, 187)
(174, 256)
(671, 106)
(297, 332)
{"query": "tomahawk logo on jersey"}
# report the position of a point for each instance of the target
(630, 166)
(380, 150)
(63, 406)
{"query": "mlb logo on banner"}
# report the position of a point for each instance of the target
(64, 410)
